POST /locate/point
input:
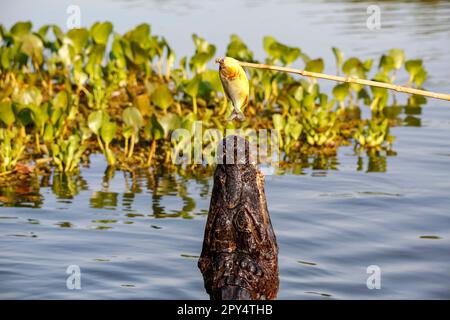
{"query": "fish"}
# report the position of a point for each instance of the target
(235, 84)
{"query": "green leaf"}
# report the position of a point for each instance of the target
(268, 41)
(100, 32)
(382, 77)
(48, 133)
(193, 86)
(212, 77)
(413, 67)
(339, 57)
(7, 113)
(351, 65)
(238, 49)
(39, 115)
(203, 53)
(294, 128)
(95, 120)
(61, 100)
(133, 118)
(25, 116)
(5, 60)
(162, 97)
(279, 51)
(379, 92)
(78, 38)
(308, 100)
(108, 131)
(398, 55)
(367, 65)
(341, 91)
(116, 47)
(290, 55)
(278, 121)
(140, 34)
(21, 29)
(323, 100)
(127, 132)
(42, 32)
(33, 47)
(298, 94)
(270, 46)
(58, 33)
(170, 59)
(420, 77)
(199, 61)
(28, 96)
(95, 59)
(316, 65)
(201, 45)
(65, 54)
(135, 53)
(188, 121)
(142, 102)
(170, 122)
(387, 63)
(157, 131)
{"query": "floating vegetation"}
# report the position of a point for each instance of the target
(65, 224)
(102, 260)
(23, 235)
(326, 295)
(67, 95)
(430, 237)
(189, 256)
(307, 263)
(102, 228)
(104, 221)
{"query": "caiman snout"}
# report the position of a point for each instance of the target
(239, 259)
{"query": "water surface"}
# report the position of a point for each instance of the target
(139, 236)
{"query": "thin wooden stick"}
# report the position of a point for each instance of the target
(390, 86)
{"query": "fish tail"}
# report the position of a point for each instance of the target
(237, 115)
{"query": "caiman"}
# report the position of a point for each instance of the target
(239, 259)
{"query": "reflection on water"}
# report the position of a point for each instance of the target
(333, 216)
(423, 17)
(23, 192)
(376, 162)
(65, 186)
(161, 185)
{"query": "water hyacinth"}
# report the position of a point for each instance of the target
(94, 90)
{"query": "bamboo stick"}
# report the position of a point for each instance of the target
(365, 82)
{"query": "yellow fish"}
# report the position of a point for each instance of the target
(235, 84)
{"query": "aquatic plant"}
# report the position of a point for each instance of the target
(374, 134)
(66, 153)
(91, 89)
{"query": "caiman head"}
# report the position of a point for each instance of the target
(239, 259)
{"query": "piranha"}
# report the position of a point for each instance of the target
(235, 84)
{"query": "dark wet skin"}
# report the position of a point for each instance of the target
(239, 259)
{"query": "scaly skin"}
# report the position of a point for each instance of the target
(239, 259)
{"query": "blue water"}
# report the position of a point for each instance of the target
(140, 236)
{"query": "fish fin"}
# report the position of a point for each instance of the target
(240, 116)
(237, 115)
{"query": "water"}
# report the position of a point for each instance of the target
(140, 236)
